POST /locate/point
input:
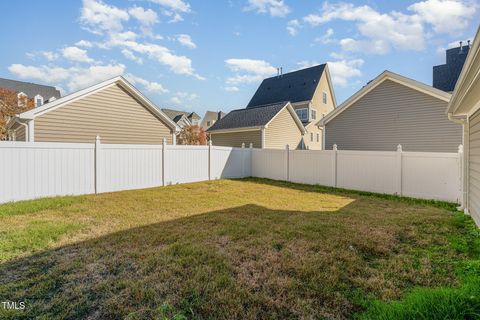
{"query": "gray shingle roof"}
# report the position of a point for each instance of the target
(176, 115)
(294, 87)
(251, 117)
(445, 76)
(30, 89)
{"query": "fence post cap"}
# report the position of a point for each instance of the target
(97, 138)
(251, 145)
(210, 143)
(243, 144)
(399, 148)
(460, 148)
(164, 141)
(287, 147)
(335, 147)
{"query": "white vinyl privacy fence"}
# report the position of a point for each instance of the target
(37, 169)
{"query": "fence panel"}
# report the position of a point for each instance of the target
(311, 167)
(227, 162)
(186, 164)
(373, 171)
(124, 167)
(31, 170)
(431, 175)
(269, 163)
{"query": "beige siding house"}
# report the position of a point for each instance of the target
(310, 94)
(114, 110)
(464, 108)
(393, 110)
(270, 126)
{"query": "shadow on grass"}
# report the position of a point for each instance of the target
(246, 262)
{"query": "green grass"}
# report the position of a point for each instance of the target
(249, 249)
(23, 207)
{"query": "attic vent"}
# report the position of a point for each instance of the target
(314, 80)
(304, 83)
(289, 85)
(268, 88)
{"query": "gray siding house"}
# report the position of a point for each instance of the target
(392, 110)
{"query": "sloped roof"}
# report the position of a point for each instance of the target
(30, 89)
(385, 75)
(294, 86)
(213, 115)
(251, 117)
(176, 115)
(121, 81)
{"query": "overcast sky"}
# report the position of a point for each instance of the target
(211, 55)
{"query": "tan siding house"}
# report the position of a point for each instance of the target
(394, 110)
(281, 131)
(271, 126)
(113, 110)
(464, 109)
(235, 139)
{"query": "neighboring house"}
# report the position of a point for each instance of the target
(270, 126)
(40, 94)
(182, 118)
(310, 91)
(392, 110)
(445, 76)
(114, 110)
(464, 108)
(210, 118)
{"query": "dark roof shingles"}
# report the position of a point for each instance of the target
(30, 89)
(294, 87)
(251, 117)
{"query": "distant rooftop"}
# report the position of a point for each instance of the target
(30, 89)
(176, 115)
(294, 86)
(445, 76)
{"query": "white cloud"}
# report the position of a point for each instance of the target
(98, 17)
(130, 56)
(232, 89)
(49, 55)
(76, 54)
(150, 86)
(326, 38)
(186, 40)
(380, 32)
(183, 98)
(343, 70)
(84, 43)
(445, 16)
(75, 78)
(276, 8)
(248, 70)
(293, 26)
(175, 100)
(175, 5)
(145, 17)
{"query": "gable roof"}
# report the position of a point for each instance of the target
(214, 115)
(30, 89)
(121, 81)
(470, 74)
(386, 75)
(294, 86)
(176, 114)
(257, 117)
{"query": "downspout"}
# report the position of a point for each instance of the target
(463, 120)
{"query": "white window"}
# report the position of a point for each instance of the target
(302, 114)
(208, 123)
(38, 100)
(314, 114)
(311, 136)
(324, 97)
(21, 99)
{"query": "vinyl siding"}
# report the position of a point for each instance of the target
(315, 145)
(112, 113)
(20, 134)
(235, 139)
(317, 100)
(282, 131)
(474, 167)
(393, 114)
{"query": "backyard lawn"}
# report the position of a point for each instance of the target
(238, 249)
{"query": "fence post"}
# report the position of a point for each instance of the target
(461, 176)
(164, 147)
(334, 165)
(98, 146)
(399, 170)
(251, 158)
(243, 160)
(210, 160)
(287, 149)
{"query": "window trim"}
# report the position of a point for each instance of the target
(38, 97)
(302, 109)
(324, 97)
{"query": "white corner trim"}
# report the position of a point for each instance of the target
(31, 131)
(263, 138)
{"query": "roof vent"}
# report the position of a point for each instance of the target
(468, 43)
(461, 48)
